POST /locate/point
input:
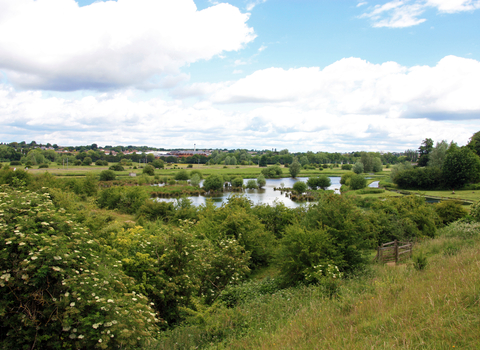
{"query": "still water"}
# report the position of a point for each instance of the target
(265, 195)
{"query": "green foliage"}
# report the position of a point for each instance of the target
(107, 175)
(358, 168)
(126, 199)
(299, 187)
(261, 181)
(195, 180)
(90, 184)
(450, 211)
(43, 166)
(345, 179)
(87, 161)
(475, 211)
(347, 166)
(198, 172)
(460, 167)
(272, 171)
(276, 218)
(116, 167)
(59, 288)
(182, 175)
(15, 178)
(294, 168)
(377, 165)
(263, 161)
(420, 261)
(251, 184)
(158, 164)
(153, 210)
(237, 182)
(248, 291)
(213, 183)
(321, 181)
(149, 170)
(358, 182)
(419, 178)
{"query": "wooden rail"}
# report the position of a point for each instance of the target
(394, 251)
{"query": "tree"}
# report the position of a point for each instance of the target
(304, 160)
(237, 182)
(358, 168)
(424, 151)
(213, 182)
(149, 170)
(299, 187)
(295, 167)
(251, 184)
(474, 143)
(321, 181)
(261, 181)
(377, 165)
(195, 180)
(263, 161)
(87, 161)
(181, 175)
(460, 167)
(107, 175)
(438, 154)
(357, 182)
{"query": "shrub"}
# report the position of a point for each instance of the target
(347, 166)
(182, 175)
(345, 179)
(43, 166)
(358, 168)
(189, 166)
(450, 211)
(15, 162)
(475, 211)
(87, 161)
(107, 175)
(321, 181)
(158, 164)
(428, 178)
(198, 172)
(237, 182)
(272, 171)
(125, 199)
(261, 181)
(213, 183)
(153, 210)
(116, 167)
(195, 180)
(420, 261)
(15, 178)
(357, 182)
(251, 184)
(299, 187)
(149, 170)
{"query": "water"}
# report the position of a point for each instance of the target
(265, 195)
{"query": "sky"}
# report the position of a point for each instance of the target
(302, 75)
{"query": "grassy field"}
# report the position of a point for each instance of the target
(390, 307)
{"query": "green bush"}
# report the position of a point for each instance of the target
(87, 161)
(116, 167)
(126, 199)
(345, 179)
(195, 180)
(261, 181)
(149, 170)
(237, 182)
(321, 181)
(347, 166)
(153, 210)
(213, 183)
(15, 162)
(450, 211)
(107, 175)
(43, 166)
(272, 171)
(198, 172)
(358, 182)
(299, 187)
(358, 168)
(182, 175)
(251, 184)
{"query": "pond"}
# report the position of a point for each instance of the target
(265, 195)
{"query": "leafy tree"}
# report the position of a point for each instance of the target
(460, 167)
(358, 168)
(358, 182)
(116, 167)
(304, 161)
(294, 168)
(158, 164)
(263, 161)
(149, 170)
(377, 165)
(474, 143)
(87, 161)
(251, 184)
(213, 183)
(261, 181)
(107, 175)
(321, 181)
(424, 151)
(299, 187)
(438, 154)
(345, 179)
(182, 175)
(272, 171)
(237, 182)
(198, 172)
(195, 180)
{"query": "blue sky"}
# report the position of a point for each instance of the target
(303, 75)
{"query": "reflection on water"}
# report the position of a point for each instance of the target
(265, 195)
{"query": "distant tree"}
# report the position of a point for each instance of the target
(149, 170)
(227, 160)
(237, 182)
(357, 182)
(474, 143)
(213, 182)
(377, 165)
(304, 161)
(294, 168)
(299, 187)
(195, 180)
(261, 181)
(87, 161)
(424, 151)
(358, 168)
(438, 154)
(460, 167)
(251, 184)
(263, 160)
(158, 164)
(182, 175)
(321, 181)
(107, 175)
(116, 167)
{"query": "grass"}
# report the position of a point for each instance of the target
(390, 307)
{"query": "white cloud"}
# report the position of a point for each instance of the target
(252, 4)
(55, 44)
(406, 13)
(349, 105)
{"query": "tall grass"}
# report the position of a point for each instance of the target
(391, 307)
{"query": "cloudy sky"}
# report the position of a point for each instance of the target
(319, 75)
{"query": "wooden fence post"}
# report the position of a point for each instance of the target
(396, 251)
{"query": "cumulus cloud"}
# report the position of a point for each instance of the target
(406, 13)
(57, 45)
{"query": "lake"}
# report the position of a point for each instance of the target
(265, 195)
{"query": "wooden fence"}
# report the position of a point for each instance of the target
(394, 251)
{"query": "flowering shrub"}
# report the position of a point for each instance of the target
(59, 289)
